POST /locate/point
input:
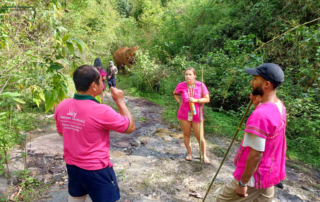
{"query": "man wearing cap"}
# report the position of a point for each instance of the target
(113, 71)
(260, 160)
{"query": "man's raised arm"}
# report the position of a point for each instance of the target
(117, 96)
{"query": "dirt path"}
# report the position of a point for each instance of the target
(150, 163)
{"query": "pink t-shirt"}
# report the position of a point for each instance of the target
(85, 126)
(267, 123)
(182, 89)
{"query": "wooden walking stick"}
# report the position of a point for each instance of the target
(200, 114)
(225, 156)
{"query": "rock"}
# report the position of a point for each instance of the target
(176, 135)
(161, 134)
(177, 127)
(59, 157)
(46, 178)
(162, 130)
(57, 176)
(39, 178)
(144, 140)
(135, 143)
(167, 138)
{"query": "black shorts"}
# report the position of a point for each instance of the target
(101, 185)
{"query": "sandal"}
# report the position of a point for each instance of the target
(206, 161)
(189, 157)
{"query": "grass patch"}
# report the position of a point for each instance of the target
(142, 119)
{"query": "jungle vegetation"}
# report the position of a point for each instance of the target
(40, 47)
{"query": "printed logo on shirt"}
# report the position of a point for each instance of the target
(71, 113)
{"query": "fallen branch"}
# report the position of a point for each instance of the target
(5, 85)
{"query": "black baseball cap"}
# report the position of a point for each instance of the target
(270, 71)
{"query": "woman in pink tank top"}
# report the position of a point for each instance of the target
(191, 93)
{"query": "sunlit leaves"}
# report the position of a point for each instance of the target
(70, 47)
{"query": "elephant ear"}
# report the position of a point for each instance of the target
(131, 51)
(128, 53)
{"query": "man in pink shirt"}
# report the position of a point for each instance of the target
(260, 160)
(84, 124)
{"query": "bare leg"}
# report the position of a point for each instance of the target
(195, 127)
(186, 128)
(77, 199)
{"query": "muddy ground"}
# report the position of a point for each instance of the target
(150, 163)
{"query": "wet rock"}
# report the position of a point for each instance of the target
(135, 143)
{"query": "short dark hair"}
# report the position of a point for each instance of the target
(84, 76)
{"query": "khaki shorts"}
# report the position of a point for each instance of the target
(227, 193)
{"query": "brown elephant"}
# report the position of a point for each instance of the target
(125, 57)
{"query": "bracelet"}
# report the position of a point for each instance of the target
(119, 100)
(198, 100)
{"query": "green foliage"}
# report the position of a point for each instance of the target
(124, 7)
(146, 73)
(218, 36)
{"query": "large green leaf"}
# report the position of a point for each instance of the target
(49, 100)
(55, 66)
(37, 101)
(81, 45)
(41, 95)
(70, 48)
(56, 34)
(65, 38)
(9, 94)
(61, 29)
(61, 94)
(18, 100)
(55, 94)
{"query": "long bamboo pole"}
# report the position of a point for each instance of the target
(225, 156)
(200, 114)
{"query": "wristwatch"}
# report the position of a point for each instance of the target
(241, 184)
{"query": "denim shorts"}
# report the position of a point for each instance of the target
(101, 185)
